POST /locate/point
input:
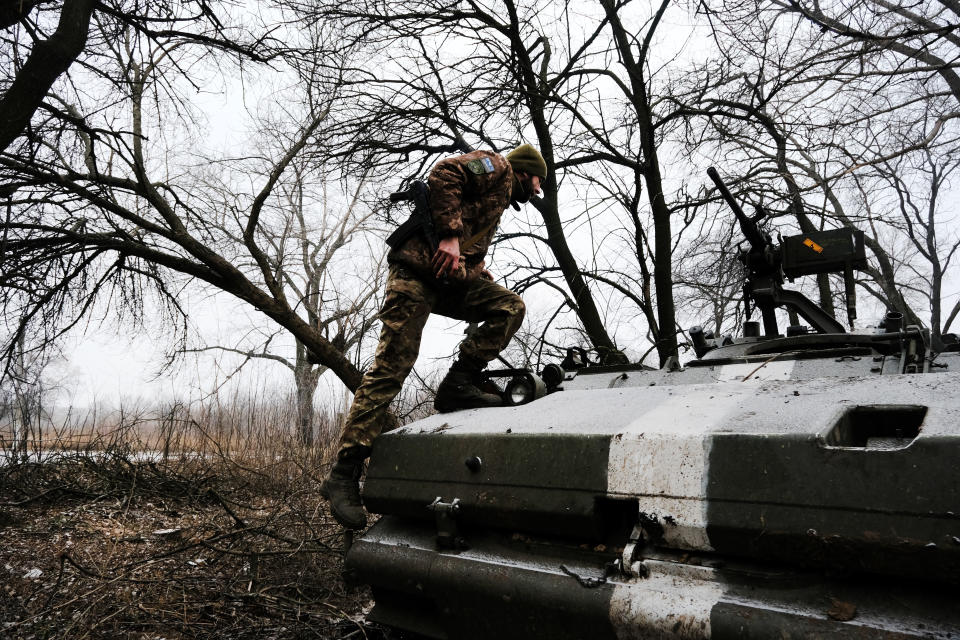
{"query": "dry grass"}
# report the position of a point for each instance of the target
(243, 425)
(186, 522)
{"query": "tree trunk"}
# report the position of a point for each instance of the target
(49, 59)
(586, 307)
(306, 376)
(662, 231)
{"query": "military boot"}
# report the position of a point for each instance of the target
(459, 390)
(342, 488)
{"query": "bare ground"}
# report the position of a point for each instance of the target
(107, 548)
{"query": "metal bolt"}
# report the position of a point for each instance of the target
(473, 463)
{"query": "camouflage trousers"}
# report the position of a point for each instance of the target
(407, 305)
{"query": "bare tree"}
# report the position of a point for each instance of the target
(710, 278)
(104, 206)
(796, 100)
(584, 90)
(915, 187)
(442, 77)
(26, 398)
(925, 34)
(796, 108)
(810, 117)
(632, 54)
(42, 44)
(312, 248)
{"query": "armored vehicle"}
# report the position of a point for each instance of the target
(797, 484)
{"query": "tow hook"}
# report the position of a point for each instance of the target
(445, 515)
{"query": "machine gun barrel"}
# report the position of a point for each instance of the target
(749, 226)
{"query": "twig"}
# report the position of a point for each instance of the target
(768, 361)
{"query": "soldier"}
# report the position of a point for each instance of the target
(468, 194)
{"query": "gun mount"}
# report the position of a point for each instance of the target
(837, 250)
(801, 485)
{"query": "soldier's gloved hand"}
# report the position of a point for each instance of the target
(447, 257)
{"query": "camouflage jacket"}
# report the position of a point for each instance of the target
(468, 194)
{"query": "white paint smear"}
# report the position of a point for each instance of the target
(661, 458)
(663, 606)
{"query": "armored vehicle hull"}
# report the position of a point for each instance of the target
(746, 495)
(798, 486)
(507, 587)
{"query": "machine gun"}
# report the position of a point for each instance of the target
(420, 220)
(830, 251)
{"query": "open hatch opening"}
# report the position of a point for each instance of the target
(877, 427)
